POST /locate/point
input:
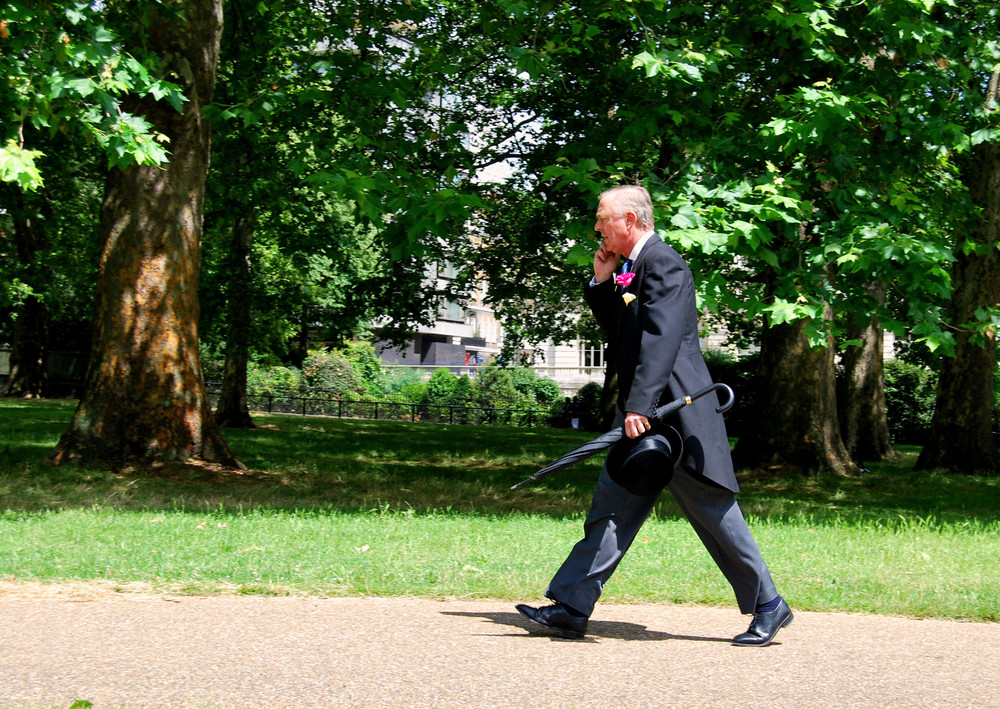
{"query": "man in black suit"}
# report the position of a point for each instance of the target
(651, 323)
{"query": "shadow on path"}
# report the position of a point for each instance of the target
(595, 629)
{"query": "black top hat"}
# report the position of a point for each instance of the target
(645, 465)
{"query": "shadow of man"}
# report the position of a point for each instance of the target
(612, 630)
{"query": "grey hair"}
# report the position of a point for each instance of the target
(632, 198)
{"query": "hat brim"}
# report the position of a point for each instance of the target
(645, 465)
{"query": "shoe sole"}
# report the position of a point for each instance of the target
(562, 632)
(785, 624)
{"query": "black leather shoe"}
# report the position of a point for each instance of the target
(555, 618)
(765, 626)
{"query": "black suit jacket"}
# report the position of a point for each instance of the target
(653, 343)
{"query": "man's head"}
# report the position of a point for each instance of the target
(624, 214)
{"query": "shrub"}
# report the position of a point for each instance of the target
(438, 393)
(262, 379)
(462, 393)
(909, 398)
(331, 372)
(213, 361)
(440, 387)
(588, 399)
(539, 391)
(405, 385)
(495, 386)
(523, 379)
(363, 358)
(740, 373)
(547, 392)
(717, 359)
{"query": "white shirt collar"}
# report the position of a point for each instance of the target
(639, 244)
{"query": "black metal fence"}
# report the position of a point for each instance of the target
(399, 411)
(321, 402)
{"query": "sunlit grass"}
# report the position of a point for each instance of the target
(337, 507)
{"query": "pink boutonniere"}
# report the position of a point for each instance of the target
(624, 279)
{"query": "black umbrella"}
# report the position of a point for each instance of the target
(608, 439)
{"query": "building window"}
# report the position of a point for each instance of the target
(447, 270)
(452, 310)
(591, 355)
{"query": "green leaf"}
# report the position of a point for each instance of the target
(579, 256)
(769, 257)
(82, 87)
(18, 165)
(650, 64)
(76, 12)
(684, 218)
(103, 35)
(984, 135)
(783, 312)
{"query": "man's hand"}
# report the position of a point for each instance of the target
(605, 264)
(635, 424)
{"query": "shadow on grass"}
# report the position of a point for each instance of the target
(325, 464)
(304, 463)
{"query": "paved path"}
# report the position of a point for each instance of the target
(130, 650)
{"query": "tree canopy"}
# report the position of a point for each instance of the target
(66, 72)
(809, 157)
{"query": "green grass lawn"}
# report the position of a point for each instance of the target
(339, 507)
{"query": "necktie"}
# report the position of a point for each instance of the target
(625, 277)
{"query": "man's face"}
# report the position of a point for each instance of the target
(614, 230)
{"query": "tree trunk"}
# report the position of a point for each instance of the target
(865, 428)
(29, 365)
(29, 355)
(233, 410)
(144, 396)
(607, 407)
(961, 437)
(795, 424)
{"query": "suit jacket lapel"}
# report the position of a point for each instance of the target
(642, 254)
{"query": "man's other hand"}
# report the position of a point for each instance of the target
(635, 424)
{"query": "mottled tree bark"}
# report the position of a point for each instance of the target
(233, 410)
(961, 437)
(795, 424)
(865, 427)
(144, 396)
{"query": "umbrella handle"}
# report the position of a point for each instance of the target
(729, 400)
(615, 434)
(667, 409)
